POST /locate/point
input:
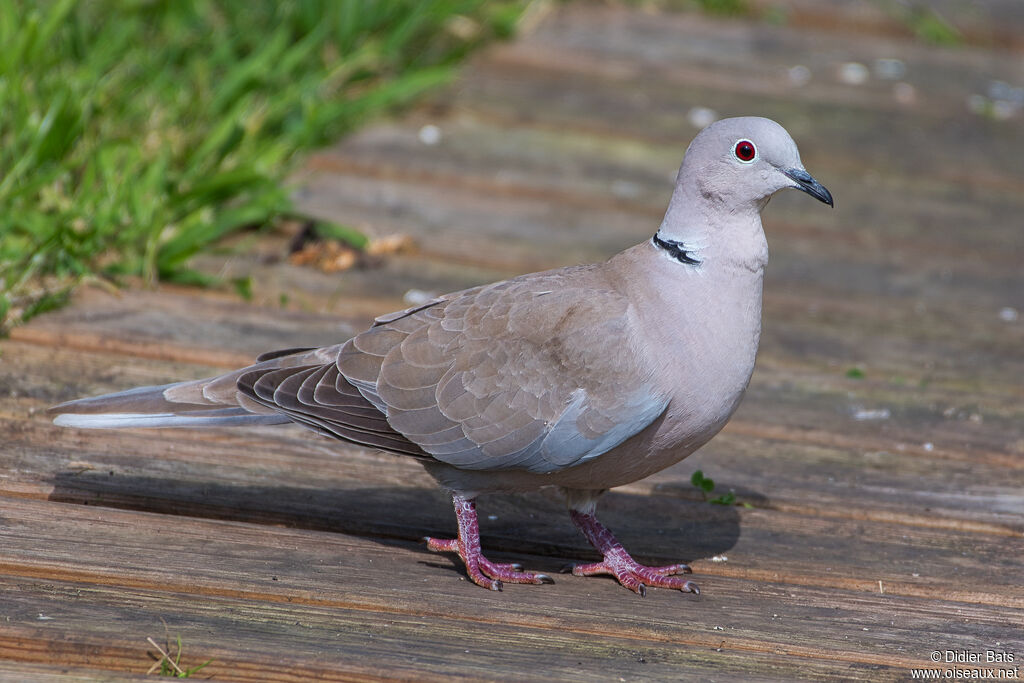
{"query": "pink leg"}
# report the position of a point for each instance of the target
(482, 571)
(619, 564)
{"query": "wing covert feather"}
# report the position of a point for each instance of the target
(538, 373)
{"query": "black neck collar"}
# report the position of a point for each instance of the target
(676, 250)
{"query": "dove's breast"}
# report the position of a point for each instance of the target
(712, 360)
(702, 328)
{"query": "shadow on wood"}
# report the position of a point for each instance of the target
(658, 529)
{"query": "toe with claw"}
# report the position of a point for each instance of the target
(618, 563)
(481, 571)
(635, 576)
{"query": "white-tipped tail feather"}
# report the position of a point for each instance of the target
(144, 420)
(150, 407)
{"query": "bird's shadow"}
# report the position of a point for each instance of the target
(661, 528)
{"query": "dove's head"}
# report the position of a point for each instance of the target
(744, 161)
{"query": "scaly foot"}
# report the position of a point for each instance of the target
(618, 563)
(481, 571)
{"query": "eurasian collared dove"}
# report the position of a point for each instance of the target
(585, 378)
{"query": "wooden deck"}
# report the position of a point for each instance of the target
(880, 449)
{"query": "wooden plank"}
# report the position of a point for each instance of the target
(374, 285)
(171, 326)
(776, 542)
(529, 224)
(993, 23)
(329, 642)
(40, 672)
(232, 560)
(175, 472)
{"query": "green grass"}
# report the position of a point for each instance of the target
(924, 22)
(170, 665)
(726, 8)
(930, 27)
(706, 485)
(135, 133)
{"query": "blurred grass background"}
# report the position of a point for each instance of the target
(135, 133)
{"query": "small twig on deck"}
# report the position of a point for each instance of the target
(164, 656)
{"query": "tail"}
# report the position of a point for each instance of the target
(211, 402)
(147, 407)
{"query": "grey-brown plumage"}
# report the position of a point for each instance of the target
(585, 378)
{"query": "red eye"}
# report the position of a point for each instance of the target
(745, 150)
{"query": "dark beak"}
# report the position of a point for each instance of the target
(806, 183)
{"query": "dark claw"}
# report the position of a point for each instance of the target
(691, 587)
(566, 568)
(516, 566)
(642, 590)
(497, 585)
(686, 569)
(544, 578)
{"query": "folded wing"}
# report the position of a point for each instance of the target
(538, 374)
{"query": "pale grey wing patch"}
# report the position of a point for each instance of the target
(377, 341)
(450, 388)
(476, 459)
(566, 443)
(408, 400)
(440, 439)
(543, 449)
